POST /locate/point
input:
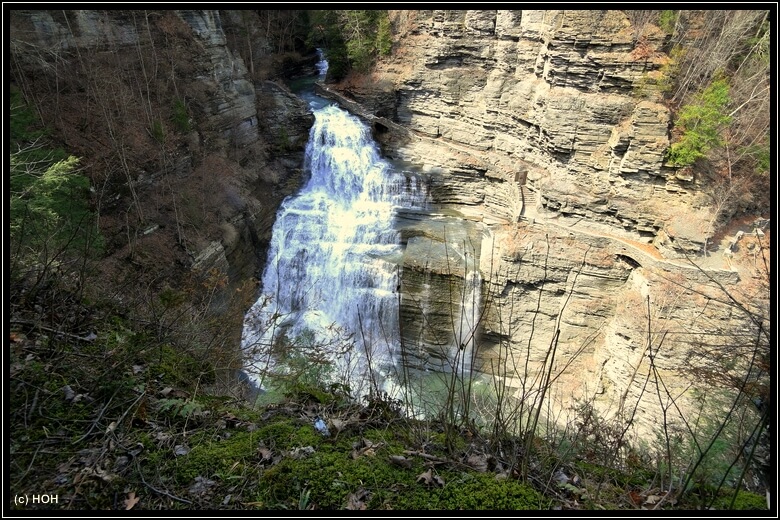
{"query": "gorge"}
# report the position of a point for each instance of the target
(585, 238)
(490, 202)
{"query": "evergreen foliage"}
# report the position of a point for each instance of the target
(49, 199)
(181, 116)
(701, 121)
(352, 39)
(667, 20)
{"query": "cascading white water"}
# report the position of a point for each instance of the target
(332, 264)
(322, 65)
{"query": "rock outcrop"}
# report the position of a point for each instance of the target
(538, 128)
(193, 153)
(558, 99)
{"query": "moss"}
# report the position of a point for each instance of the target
(287, 434)
(179, 368)
(744, 501)
(704, 497)
(220, 458)
(331, 474)
(391, 486)
(601, 473)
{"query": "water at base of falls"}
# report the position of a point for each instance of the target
(329, 286)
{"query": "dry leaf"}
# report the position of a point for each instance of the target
(478, 462)
(429, 478)
(69, 393)
(652, 499)
(338, 424)
(99, 472)
(400, 460)
(180, 450)
(266, 454)
(356, 500)
(131, 500)
(111, 427)
(426, 477)
(201, 486)
(302, 452)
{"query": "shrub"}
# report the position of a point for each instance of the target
(701, 122)
(181, 116)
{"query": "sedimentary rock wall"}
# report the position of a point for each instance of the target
(540, 126)
(557, 98)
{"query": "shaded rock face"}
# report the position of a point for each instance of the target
(231, 109)
(533, 126)
(205, 182)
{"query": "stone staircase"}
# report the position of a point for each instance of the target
(530, 199)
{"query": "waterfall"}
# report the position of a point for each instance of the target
(331, 276)
(468, 323)
(322, 65)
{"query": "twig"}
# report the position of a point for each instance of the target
(159, 492)
(433, 458)
(33, 324)
(33, 405)
(437, 460)
(31, 463)
(94, 423)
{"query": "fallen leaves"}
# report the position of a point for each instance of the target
(357, 501)
(365, 448)
(68, 392)
(428, 478)
(478, 462)
(651, 499)
(131, 500)
(173, 393)
(400, 460)
(270, 458)
(201, 486)
(302, 452)
(180, 450)
(265, 454)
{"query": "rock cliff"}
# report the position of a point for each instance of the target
(192, 154)
(554, 100)
(540, 126)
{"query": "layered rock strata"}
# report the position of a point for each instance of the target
(540, 127)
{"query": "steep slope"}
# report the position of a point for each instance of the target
(190, 155)
(188, 152)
